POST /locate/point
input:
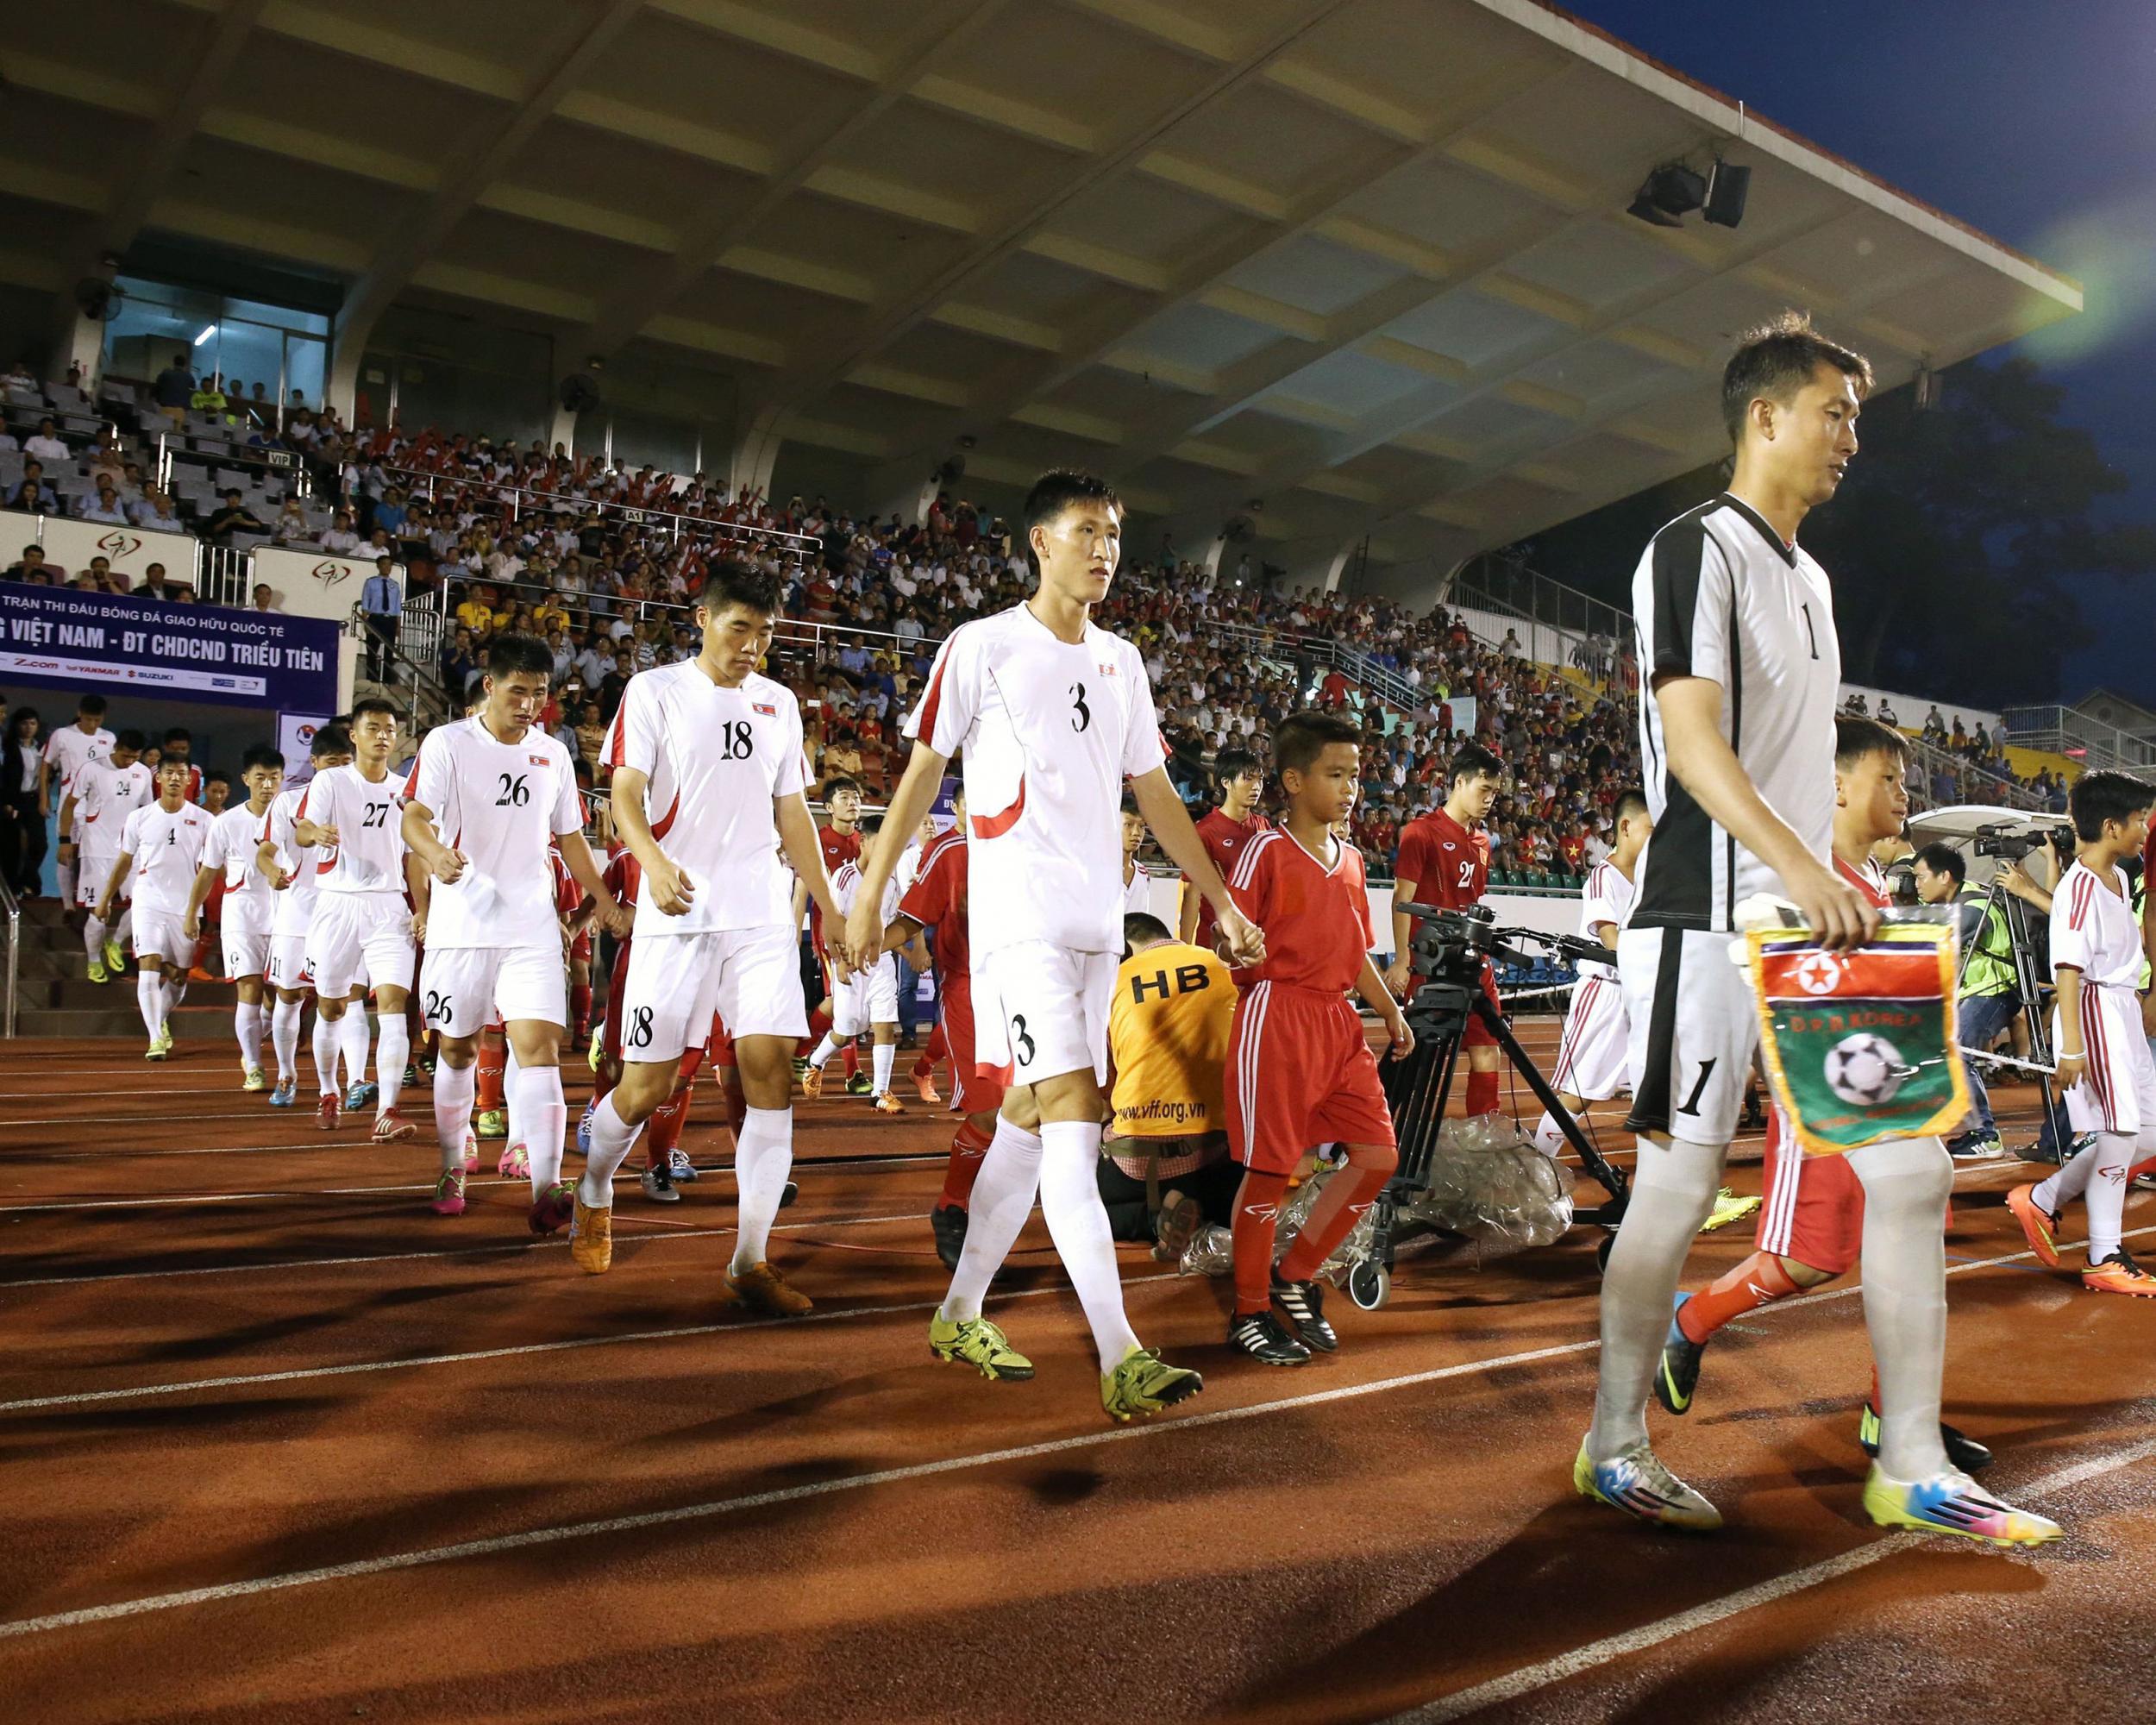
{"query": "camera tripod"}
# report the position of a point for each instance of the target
(1418, 1087)
(2028, 989)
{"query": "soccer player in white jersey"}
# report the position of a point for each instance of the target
(1591, 1056)
(232, 854)
(707, 788)
(291, 869)
(66, 751)
(1052, 715)
(161, 843)
(488, 800)
(867, 1000)
(361, 937)
(2104, 1065)
(106, 792)
(1742, 665)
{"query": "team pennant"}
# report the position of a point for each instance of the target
(1859, 1044)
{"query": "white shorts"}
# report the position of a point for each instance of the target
(750, 977)
(860, 1001)
(360, 938)
(288, 968)
(162, 934)
(2118, 1093)
(1591, 1059)
(1041, 1010)
(463, 989)
(91, 872)
(246, 942)
(1693, 1029)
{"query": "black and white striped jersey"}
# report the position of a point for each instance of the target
(1718, 595)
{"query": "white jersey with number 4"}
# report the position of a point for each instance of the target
(502, 804)
(367, 814)
(715, 759)
(1609, 898)
(166, 846)
(1049, 730)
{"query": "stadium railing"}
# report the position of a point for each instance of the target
(14, 914)
(2063, 731)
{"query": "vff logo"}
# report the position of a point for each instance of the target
(329, 574)
(118, 544)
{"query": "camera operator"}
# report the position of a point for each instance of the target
(1989, 998)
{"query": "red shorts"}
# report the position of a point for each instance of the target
(1299, 1074)
(720, 1046)
(973, 1090)
(1478, 1034)
(580, 948)
(1813, 1206)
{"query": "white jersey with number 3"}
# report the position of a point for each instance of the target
(502, 804)
(715, 759)
(369, 856)
(1050, 729)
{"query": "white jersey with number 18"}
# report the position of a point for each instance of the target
(1050, 729)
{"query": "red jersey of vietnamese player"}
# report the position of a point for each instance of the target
(1811, 1207)
(1450, 865)
(1224, 839)
(937, 900)
(838, 848)
(1300, 1069)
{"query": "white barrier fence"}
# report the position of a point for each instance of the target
(71, 544)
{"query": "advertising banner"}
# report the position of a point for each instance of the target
(59, 639)
(71, 544)
(315, 583)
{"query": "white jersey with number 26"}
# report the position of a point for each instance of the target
(502, 804)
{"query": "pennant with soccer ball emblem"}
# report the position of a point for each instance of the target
(1859, 1044)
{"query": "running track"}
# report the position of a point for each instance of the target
(279, 1445)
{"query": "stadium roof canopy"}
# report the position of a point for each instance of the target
(1367, 260)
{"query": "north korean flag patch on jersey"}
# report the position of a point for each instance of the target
(764, 707)
(536, 760)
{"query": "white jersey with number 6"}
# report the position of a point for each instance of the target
(502, 804)
(369, 856)
(715, 759)
(1049, 730)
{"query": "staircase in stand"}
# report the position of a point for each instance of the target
(57, 998)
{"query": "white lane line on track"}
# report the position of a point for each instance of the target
(297, 1373)
(357, 1367)
(1528, 1678)
(450, 1252)
(1887, 1545)
(135, 1120)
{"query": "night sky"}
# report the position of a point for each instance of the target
(2035, 123)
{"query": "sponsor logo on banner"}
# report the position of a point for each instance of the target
(330, 573)
(116, 544)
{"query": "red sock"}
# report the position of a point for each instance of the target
(1759, 1279)
(934, 1055)
(1347, 1195)
(1482, 1092)
(853, 1062)
(664, 1133)
(580, 1011)
(967, 1146)
(1257, 1214)
(1874, 1403)
(494, 1061)
(733, 1098)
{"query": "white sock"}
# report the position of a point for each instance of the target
(612, 1138)
(1906, 1185)
(1002, 1199)
(246, 1024)
(63, 873)
(123, 930)
(884, 1054)
(2105, 1195)
(540, 1114)
(824, 1049)
(93, 938)
(2070, 1179)
(392, 1048)
(763, 1157)
(1549, 1138)
(149, 994)
(1078, 1223)
(1672, 1192)
(351, 1039)
(453, 1090)
(510, 1105)
(328, 1038)
(175, 984)
(284, 1037)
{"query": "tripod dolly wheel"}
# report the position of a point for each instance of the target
(1601, 1252)
(1370, 1284)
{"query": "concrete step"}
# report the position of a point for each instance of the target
(77, 993)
